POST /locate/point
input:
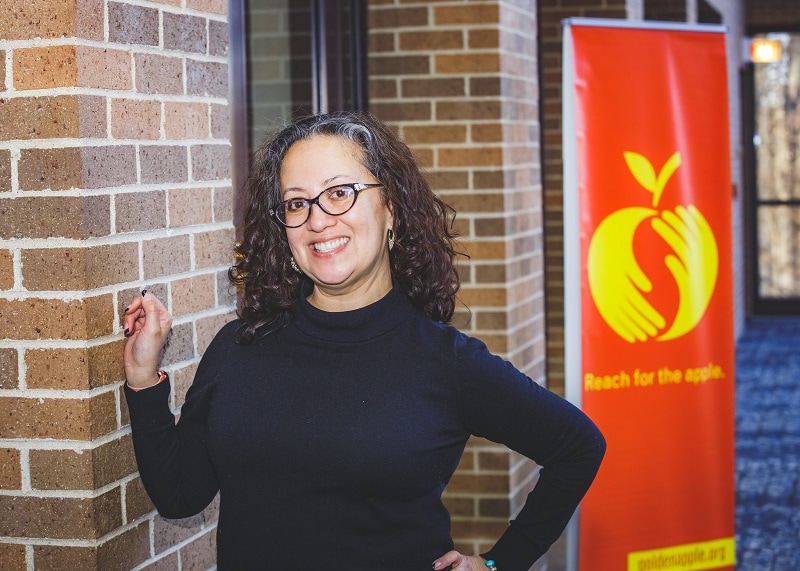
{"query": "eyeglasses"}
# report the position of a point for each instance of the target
(335, 201)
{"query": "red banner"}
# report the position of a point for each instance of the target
(652, 159)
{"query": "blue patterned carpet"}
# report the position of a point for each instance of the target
(768, 445)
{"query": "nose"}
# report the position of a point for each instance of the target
(318, 219)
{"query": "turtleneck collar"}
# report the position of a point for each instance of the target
(354, 326)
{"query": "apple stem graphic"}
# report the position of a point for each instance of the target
(644, 173)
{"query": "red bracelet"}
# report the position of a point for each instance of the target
(162, 376)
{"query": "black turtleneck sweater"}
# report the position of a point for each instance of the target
(331, 440)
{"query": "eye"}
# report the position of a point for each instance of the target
(295, 204)
(340, 193)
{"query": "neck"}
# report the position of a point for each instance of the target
(333, 299)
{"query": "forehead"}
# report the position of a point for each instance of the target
(321, 152)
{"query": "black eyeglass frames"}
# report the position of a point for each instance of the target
(335, 201)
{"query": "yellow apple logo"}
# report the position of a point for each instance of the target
(617, 282)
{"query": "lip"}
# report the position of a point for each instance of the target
(329, 246)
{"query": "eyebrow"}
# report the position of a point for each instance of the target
(325, 183)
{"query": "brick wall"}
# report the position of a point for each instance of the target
(114, 176)
(459, 82)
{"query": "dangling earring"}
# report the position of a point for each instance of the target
(390, 234)
(295, 267)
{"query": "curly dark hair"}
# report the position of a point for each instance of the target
(422, 259)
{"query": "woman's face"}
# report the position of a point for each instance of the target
(346, 256)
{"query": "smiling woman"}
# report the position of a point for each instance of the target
(333, 413)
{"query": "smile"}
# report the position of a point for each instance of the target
(330, 245)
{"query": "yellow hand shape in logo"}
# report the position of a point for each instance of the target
(616, 280)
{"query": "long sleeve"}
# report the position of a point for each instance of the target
(501, 404)
(173, 459)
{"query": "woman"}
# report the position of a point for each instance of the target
(332, 413)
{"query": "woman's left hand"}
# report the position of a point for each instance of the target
(457, 562)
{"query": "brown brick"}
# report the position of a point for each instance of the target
(201, 553)
(9, 368)
(42, 319)
(129, 24)
(494, 507)
(409, 111)
(192, 295)
(181, 380)
(89, 19)
(39, 117)
(433, 134)
(92, 116)
(466, 14)
(214, 248)
(431, 40)
(483, 39)
(82, 470)
(57, 368)
(478, 528)
(486, 297)
(447, 180)
(45, 68)
(137, 502)
(184, 33)
(468, 110)
(209, 6)
(166, 256)
(223, 204)
(393, 65)
(220, 121)
(126, 550)
(207, 328)
(188, 206)
(63, 269)
(6, 269)
(382, 89)
(135, 119)
(139, 211)
(104, 68)
(59, 557)
(108, 166)
(487, 133)
(397, 17)
(5, 168)
(100, 316)
(161, 164)
(60, 518)
(467, 63)
(206, 78)
(50, 169)
(159, 74)
(53, 217)
(470, 156)
(10, 471)
(179, 346)
(168, 562)
(211, 162)
(78, 419)
(13, 556)
(187, 120)
(218, 38)
(24, 19)
(434, 87)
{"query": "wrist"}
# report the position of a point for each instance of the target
(159, 377)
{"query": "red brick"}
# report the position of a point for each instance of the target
(104, 68)
(201, 553)
(220, 121)
(166, 256)
(211, 162)
(214, 248)
(206, 78)
(140, 211)
(188, 120)
(188, 206)
(184, 33)
(130, 24)
(217, 38)
(161, 164)
(108, 166)
(193, 295)
(223, 204)
(209, 6)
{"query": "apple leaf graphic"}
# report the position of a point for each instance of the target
(645, 174)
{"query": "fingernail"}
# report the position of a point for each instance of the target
(126, 331)
(144, 291)
(127, 309)
(436, 565)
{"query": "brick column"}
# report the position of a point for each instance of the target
(459, 82)
(114, 176)
(551, 15)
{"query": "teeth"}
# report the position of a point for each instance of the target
(331, 245)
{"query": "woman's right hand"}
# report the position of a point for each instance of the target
(146, 325)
